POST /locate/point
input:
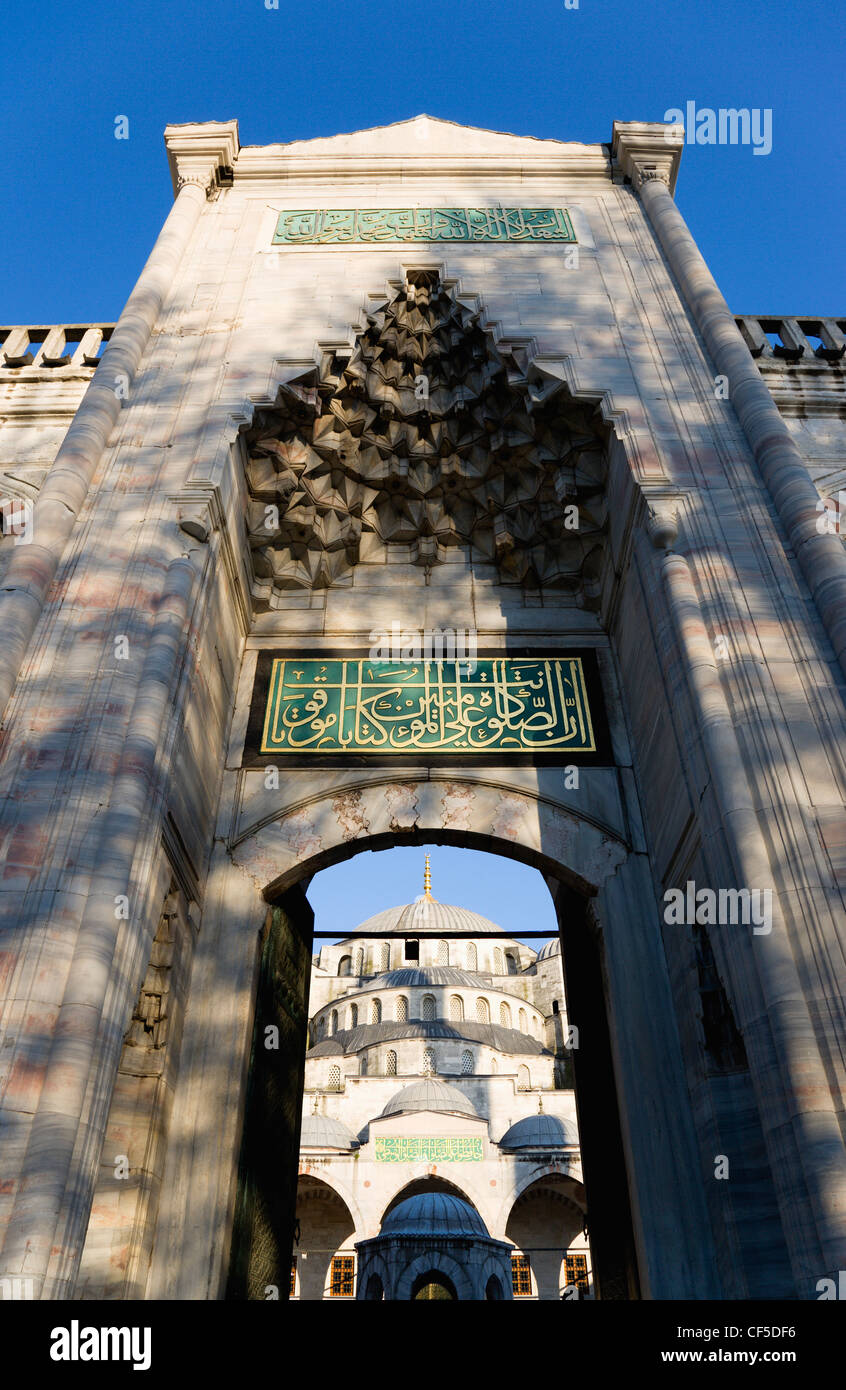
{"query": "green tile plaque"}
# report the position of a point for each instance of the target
(410, 1148)
(355, 706)
(332, 226)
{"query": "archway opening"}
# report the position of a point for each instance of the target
(433, 1284)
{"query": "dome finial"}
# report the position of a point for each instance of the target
(427, 880)
(540, 1105)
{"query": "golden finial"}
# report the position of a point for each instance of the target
(540, 1105)
(314, 1109)
(427, 880)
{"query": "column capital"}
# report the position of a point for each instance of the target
(201, 153)
(646, 150)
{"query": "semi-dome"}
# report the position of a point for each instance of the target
(433, 1214)
(322, 1132)
(429, 1095)
(424, 975)
(540, 1132)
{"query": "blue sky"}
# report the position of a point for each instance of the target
(511, 894)
(86, 208)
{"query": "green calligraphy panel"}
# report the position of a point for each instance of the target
(355, 706)
(433, 1148)
(328, 226)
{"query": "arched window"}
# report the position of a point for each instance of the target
(472, 956)
(376, 1011)
(504, 1015)
(494, 1066)
(333, 1021)
(385, 957)
(513, 963)
(467, 1064)
(493, 1288)
(456, 1008)
(534, 1024)
(522, 1020)
(483, 1012)
(555, 1007)
(402, 1009)
(429, 1062)
(362, 1066)
(345, 965)
(375, 1291)
(334, 1082)
(391, 1064)
(499, 966)
(321, 1027)
(358, 962)
(443, 953)
(524, 1080)
(427, 1009)
(353, 1015)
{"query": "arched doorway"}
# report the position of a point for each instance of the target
(433, 1284)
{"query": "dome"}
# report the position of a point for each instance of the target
(540, 1132)
(321, 1132)
(427, 975)
(426, 915)
(552, 948)
(433, 1214)
(429, 1095)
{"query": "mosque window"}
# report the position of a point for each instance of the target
(429, 1062)
(358, 962)
(467, 1064)
(513, 963)
(522, 1020)
(353, 1015)
(362, 1066)
(534, 1025)
(402, 1009)
(504, 1015)
(524, 1080)
(345, 965)
(576, 1272)
(555, 1006)
(412, 950)
(385, 957)
(456, 1008)
(321, 1027)
(427, 1008)
(334, 1083)
(472, 956)
(443, 953)
(391, 1064)
(293, 1290)
(499, 968)
(494, 1066)
(333, 1021)
(342, 1276)
(376, 1011)
(483, 1012)
(521, 1276)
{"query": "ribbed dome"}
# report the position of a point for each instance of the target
(429, 1095)
(540, 1132)
(427, 975)
(433, 1214)
(552, 948)
(321, 1132)
(426, 915)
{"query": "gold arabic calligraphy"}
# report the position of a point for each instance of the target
(362, 706)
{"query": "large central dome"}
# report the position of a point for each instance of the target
(426, 915)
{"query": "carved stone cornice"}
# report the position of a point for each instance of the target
(642, 151)
(202, 154)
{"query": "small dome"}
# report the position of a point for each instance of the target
(433, 1214)
(540, 1132)
(552, 948)
(322, 1132)
(429, 1095)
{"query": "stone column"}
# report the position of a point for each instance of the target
(197, 153)
(649, 157)
(798, 1116)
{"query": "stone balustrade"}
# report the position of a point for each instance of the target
(53, 345)
(813, 342)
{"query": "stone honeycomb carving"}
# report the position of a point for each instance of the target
(423, 438)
